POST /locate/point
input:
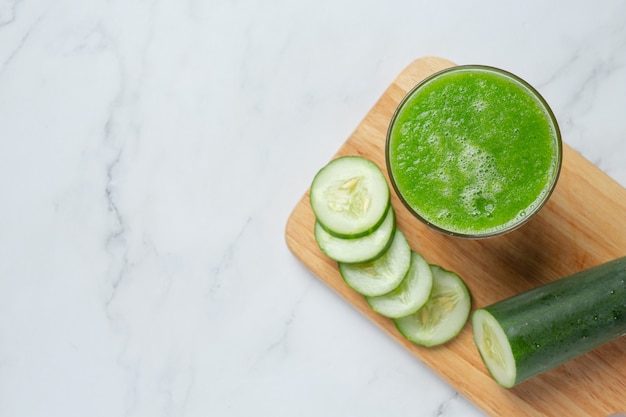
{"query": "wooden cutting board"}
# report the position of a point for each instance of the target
(582, 225)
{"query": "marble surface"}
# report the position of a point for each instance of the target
(150, 155)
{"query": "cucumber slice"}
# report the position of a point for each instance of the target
(350, 197)
(360, 249)
(410, 295)
(382, 275)
(443, 316)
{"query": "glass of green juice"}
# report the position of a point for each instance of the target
(473, 151)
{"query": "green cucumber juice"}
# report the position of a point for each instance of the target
(473, 151)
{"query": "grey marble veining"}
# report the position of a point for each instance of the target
(151, 153)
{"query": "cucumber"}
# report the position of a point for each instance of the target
(542, 328)
(383, 274)
(410, 295)
(361, 249)
(443, 316)
(350, 197)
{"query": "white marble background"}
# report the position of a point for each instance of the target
(151, 152)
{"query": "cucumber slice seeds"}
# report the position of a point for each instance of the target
(356, 227)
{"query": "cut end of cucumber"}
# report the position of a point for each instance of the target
(494, 347)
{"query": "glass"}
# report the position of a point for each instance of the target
(458, 146)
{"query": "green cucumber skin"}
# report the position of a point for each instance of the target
(552, 324)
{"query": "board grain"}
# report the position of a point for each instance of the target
(582, 225)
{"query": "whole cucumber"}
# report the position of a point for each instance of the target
(542, 328)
